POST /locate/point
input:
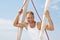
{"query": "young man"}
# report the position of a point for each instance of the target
(31, 25)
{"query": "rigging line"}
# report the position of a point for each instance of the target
(39, 17)
(35, 9)
(24, 3)
(47, 34)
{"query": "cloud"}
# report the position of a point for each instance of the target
(8, 31)
(55, 4)
(6, 24)
(5, 21)
(55, 7)
(54, 1)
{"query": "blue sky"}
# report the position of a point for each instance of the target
(9, 9)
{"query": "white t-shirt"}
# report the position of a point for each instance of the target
(33, 32)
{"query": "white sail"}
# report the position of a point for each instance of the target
(44, 19)
(23, 19)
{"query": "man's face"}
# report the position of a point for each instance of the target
(30, 18)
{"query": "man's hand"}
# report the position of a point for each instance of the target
(47, 14)
(20, 12)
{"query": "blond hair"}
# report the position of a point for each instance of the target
(30, 12)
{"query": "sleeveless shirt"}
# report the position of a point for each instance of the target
(33, 32)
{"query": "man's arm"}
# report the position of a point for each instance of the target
(16, 22)
(50, 23)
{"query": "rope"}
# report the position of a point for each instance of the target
(35, 9)
(39, 17)
(24, 4)
(47, 34)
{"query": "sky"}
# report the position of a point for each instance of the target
(8, 12)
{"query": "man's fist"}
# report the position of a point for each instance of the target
(20, 11)
(47, 14)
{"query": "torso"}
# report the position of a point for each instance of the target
(33, 32)
(33, 25)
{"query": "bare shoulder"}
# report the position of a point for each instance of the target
(39, 25)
